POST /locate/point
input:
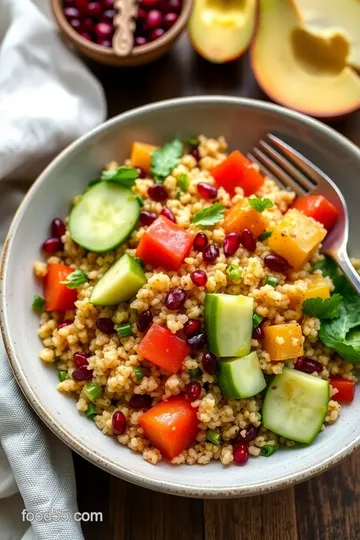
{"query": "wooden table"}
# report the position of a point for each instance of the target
(325, 508)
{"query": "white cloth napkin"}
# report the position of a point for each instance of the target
(47, 99)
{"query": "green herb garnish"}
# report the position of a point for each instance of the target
(260, 204)
(233, 272)
(63, 375)
(75, 279)
(257, 319)
(38, 303)
(124, 330)
(328, 268)
(271, 280)
(139, 200)
(265, 235)
(139, 261)
(91, 410)
(267, 450)
(213, 436)
(192, 142)
(138, 373)
(92, 391)
(165, 159)
(209, 216)
(328, 308)
(123, 176)
(195, 372)
(183, 182)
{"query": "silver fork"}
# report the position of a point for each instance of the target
(293, 171)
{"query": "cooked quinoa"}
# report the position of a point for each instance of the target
(113, 359)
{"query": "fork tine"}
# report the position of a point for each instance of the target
(278, 172)
(304, 164)
(298, 176)
(265, 170)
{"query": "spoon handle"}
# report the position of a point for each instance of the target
(123, 40)
(343, 260)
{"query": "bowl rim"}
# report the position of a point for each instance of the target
(136, 52)
(52, 422)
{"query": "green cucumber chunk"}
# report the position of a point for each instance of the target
(104, 217)
(295, 405)
(119, 284)
(228, 322)
(241, 377)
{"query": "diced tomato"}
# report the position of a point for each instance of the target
(237, 171)
(57, 296)
(319, 208)
(163, 348)
(164, 244)
(346, 389)
(171, 425)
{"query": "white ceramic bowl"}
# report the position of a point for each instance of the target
(242, 122)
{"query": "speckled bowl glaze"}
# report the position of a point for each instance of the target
(242, 122)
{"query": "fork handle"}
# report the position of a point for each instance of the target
(343, 260)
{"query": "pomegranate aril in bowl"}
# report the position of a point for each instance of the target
(52, 245)
(57, 228)
(170, 19)
(199, 278)
(168, 214)
(175, 299)
(207, 191)
(191, 327)
(200, 241)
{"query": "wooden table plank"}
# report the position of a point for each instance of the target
(270, 517)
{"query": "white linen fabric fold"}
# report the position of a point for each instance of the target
(48, 98)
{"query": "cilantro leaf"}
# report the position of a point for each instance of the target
(328, 308)
(75, 279)
(183, 182)
(260, 204)
(123, 176)
(328, 267)
(209, 216)
(165, 158)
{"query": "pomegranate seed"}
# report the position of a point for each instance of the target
(251, 434)
(154, 19)
(248, 240)
(105, 325)
(141, 16)
(109, 15)
(231, 243)
(66, 322)
(108, 4)
(88, 25)
(82, 373)
(168, 214)
(308, 365)
(196, 341)
(209, 363)
(170, 19)
(195, 153)
(144, 320)
(207, 191)
(57, 228)
(86, 35)
(72, 13)
(139, 42)
(147, 218)
(156, 34)
(191, 327)
(150, 3)
(199, 278)
(193, 391)
(276, 263)
(200, 241)
(104, 30)
(94, 9)
(140, 401)
(175, 299)
(52, 245)
(80, 359)
(75, 24)
(241, 454)
(118, 423)
(82, 5)
(69, 3)
(139, 170)
(211, 253)
(104, 43)
(173, 5)
(157, 192)
(258, 333)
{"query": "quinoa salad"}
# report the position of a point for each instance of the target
(189, 311)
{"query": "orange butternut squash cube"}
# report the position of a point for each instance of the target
(242, 216)
(141, 155)
(283, 341)
(296, 237)
(318, 288)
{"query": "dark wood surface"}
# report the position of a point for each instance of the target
(324, 508)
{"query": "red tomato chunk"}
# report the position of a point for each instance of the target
(163, 348)
(346, 389)
(57, 296)
(237, 171)
(319, 208)
(171, 425)
(164, 244)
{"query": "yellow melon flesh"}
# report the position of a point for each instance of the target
(302, 69)
(221, 30)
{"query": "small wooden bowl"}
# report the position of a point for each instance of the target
(139, 55)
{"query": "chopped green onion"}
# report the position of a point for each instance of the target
(139, 261)
(213, 436)
(271, 280)
(194, 372)
(138, 373)
(183, 182)
(91, 410)
(192, 141)
(267, 450)
(139, 200)
(92, 390)
(256, 319)
(63, 375)
(38, 302)
(233, 272)
(124, 330)
(265, 235)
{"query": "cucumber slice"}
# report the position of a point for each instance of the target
(241, 377)
(295, 405)
(119, 284)
(228, 322)
(104, 217)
